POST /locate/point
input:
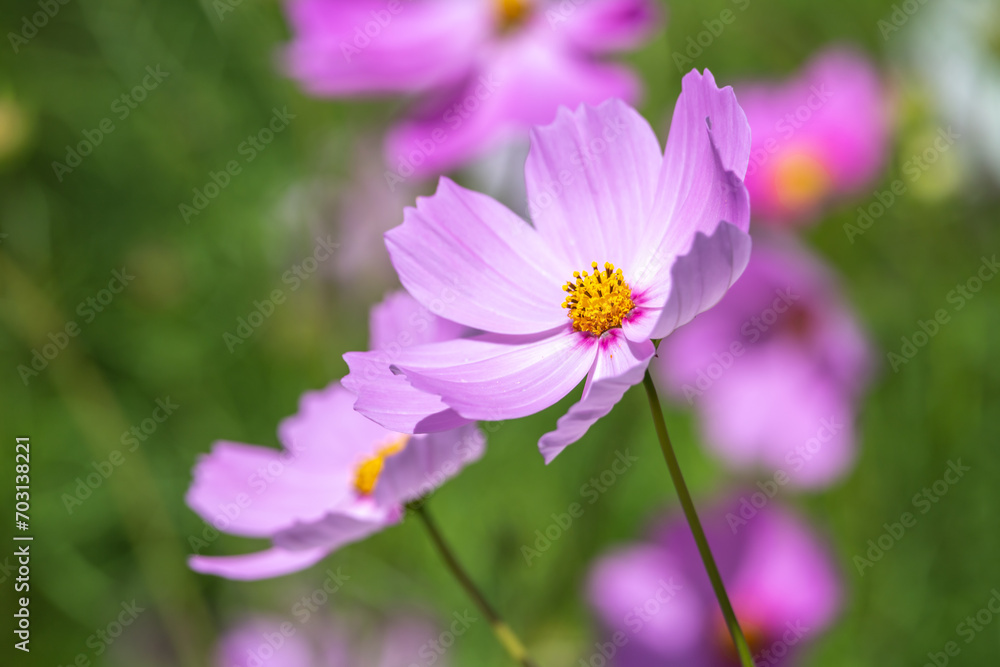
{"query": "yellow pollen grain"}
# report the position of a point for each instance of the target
(598, 301)
(370, 469)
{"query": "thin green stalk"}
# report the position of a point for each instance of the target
(739, 641)
(513, 645)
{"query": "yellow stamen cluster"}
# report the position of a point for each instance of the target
(512, 12)
(598, 301)
(370, 468)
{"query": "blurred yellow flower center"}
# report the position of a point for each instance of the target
(801, 180)
(370, 469)
(512, 12)
(598, 301)
(753, 633)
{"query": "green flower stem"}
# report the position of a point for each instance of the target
(504, 634)
(739, 641)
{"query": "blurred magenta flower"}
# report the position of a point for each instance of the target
(262, 641)
(662, 235)
(775, 369)
(656, 604)
(340, 478)
(483, 70)
(820, 135)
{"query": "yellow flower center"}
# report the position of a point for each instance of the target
(512, 13)
(801, 180)
(369, 470)
(598, 301)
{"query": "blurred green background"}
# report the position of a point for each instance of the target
(162, 337)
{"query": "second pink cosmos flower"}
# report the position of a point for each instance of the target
(627, 244)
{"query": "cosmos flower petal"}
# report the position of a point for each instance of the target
(391, 401)
(426, 44)
(777, 571)
(608, 25)
(698, 280)
(521, 87)
(317, 495)
(788, 573)
(337, 529)
(620, 365)
(399, 321)
(471, 260)
(700, 184)
(274, 562)
(245, 640)
(775, 367)
(427, 462)
(628, 578)
(232, 470)
(326, 432)
(492, 378)
(777, 409)
(591, 177)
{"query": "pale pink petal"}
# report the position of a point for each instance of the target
(620, 365)
(427, 462)
(701, 183)
(327, 433)
(591, 176)
(265, 564)
(698, 280)
(391, 401)
(399, 321)
(492, 378)
(255, 491)
(337, 529)
(470, 259)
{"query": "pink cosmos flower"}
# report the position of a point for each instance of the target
(627, 244)
(657, 605)
(775, 370)
(340, 478)
(259, 641)
(484, 70)
(822, 134)
(271, 642)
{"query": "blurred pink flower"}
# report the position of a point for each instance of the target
(674, 223)
(331, 642)
(775, 369)
(261, 640)
(656, 603)
(484, 70)
(340, 478)
(820, 135)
